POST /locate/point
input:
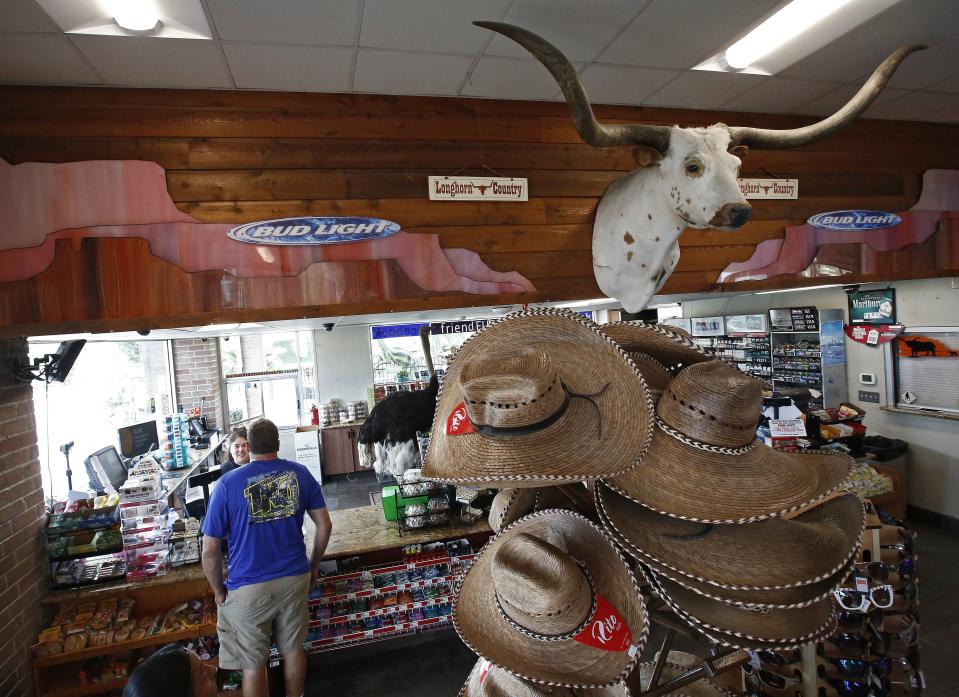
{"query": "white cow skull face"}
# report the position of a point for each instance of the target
(699, 176)
(641, 216)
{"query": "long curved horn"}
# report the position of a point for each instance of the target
(425, 339)
(768, 138)
(589, 129)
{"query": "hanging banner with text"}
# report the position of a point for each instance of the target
(873, 335)
(478, 189)
(769, 188)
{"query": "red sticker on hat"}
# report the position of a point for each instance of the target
(458, 423)
(606, 630)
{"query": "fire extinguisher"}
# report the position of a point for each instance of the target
(316, 416)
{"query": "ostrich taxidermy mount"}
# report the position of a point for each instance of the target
(387, 440)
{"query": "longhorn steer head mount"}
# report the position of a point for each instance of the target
(688, 177)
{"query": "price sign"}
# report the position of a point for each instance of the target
(787, 428)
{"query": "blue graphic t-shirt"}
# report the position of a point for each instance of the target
(259, 509)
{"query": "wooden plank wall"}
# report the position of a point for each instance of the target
(237, 157)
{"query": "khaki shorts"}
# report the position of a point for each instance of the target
(251, 613)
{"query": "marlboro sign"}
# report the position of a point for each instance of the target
(769, 188)
(478, 189)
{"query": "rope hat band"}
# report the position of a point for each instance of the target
(487, 680)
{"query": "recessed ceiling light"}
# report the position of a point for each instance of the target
(136, 15)
(782, 27)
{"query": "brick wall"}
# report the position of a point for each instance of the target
(196, 364)
(24, 575)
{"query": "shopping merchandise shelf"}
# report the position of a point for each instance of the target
(387, 610)
(119, 647)
(381, 633)
(409, 566)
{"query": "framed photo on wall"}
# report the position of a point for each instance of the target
(709, 326)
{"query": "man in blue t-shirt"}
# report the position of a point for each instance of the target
(259, 509)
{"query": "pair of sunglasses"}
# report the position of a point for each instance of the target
(853, 621)
(886, 573)
(860, 601)
(848, 687)
(770, 679)
(779, 658)
(904, 627)
(858, 646)
(860, 667)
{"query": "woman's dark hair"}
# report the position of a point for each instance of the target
(238, 432)
(167, 673)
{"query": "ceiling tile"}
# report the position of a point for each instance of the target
(681, 33)
(43, 59)
(925, 68)
(510, 78)
(390, 72)
(699, 89)
(293, 68)
(434, 26)
(24, 15)
(832, 101)
(914, 105)
(612, 84)
(144, 62)
(855, 55)
(779, 95)
(580, 30)
(317, 22)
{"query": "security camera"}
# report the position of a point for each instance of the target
(851, 289)
(328, 326)
(143, 332)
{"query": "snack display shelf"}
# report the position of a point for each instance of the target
(798, 353)
(129, 645)
(409, 566)
(385, 590)
(387, 610)
(92, 553)
(381, 633)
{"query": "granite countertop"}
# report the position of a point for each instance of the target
(356, 531)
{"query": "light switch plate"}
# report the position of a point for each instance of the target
(867, 396)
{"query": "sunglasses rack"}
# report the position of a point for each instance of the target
(875, 650)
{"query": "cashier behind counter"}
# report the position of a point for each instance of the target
(239, 454)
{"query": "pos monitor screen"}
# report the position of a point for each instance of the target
(138, 438)
(112, 465)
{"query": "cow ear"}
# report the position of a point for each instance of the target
(739, 151)
(646, 156)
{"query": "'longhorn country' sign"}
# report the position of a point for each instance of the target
(769, 188)
(478, 189)
(296, 231)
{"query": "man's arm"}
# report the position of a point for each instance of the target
(321, 538)
(212, 559)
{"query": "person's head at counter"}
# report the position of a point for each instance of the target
(264, 440)
(239, 446)
(173, 671)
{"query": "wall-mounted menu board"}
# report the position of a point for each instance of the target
(794, 319)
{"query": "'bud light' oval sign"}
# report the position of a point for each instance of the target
(854, 220)
(313, 230)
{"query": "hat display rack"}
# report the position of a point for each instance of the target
(633, 491)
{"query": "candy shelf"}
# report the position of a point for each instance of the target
(387, 610)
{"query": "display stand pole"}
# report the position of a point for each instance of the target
(809, 673)
(661, 658)
(720, 663)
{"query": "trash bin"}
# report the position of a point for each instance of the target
(884, 449)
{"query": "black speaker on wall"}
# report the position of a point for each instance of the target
(64, 359)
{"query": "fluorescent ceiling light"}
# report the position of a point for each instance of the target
(791, 21)
(795, 290)
(797, 30)
(135, 15)
(587, 303)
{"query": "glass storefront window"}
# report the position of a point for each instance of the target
(111, 385)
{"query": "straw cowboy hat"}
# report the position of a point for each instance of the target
(677, 663)
(486, 680)
(770, 554)
(671, 346)
(539, 398)
(747, 628)
(509, 505)
(550, 600)
(705, 464)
